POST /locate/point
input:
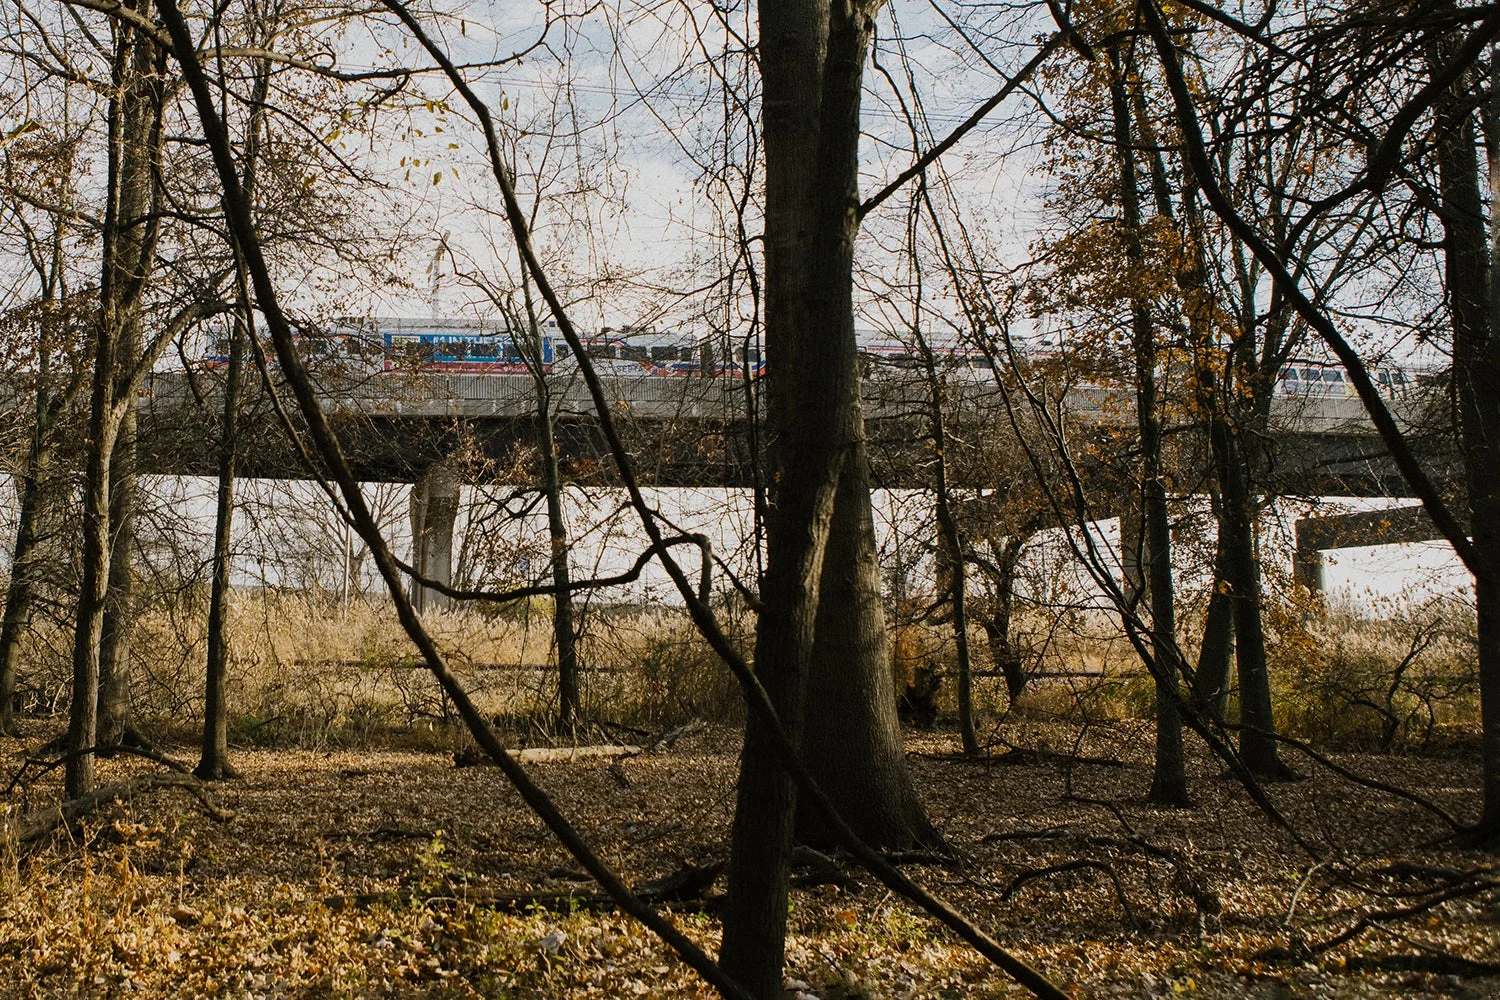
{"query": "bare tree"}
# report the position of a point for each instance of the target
(1443, 90)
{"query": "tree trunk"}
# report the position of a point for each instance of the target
(114, 639)
(1169, 779)
(1216, 649)
(213, 764)
(132, 224)
(1257, 742)
(129, 244)
(562, 604)
(852, 743)
(83, 712)
(812, 59)
(997, 623)
(23, 568)
(951, 544)
(563, 629)
(1474, 306)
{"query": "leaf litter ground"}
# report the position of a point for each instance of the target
(392, 873)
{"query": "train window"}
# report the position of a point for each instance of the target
(1398, 378)
(663, 354)
(631, 352)
(1333, 376)
(1384, 378)
(1290, 375)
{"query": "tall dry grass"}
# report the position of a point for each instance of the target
(306, 670)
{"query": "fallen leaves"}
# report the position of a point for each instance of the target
(156, 895)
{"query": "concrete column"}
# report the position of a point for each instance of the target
(434, 509)
(1307, 566)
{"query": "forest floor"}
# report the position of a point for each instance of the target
(390, 873)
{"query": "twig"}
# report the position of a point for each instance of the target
(1375, 919)
(1046, 833)
(1291, 906)
(1072, 866)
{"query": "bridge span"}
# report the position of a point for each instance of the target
(438, 430)
(695, 431)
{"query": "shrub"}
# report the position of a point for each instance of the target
(1385, 679)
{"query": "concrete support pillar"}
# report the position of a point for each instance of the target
(1307, 566)
(434, 509)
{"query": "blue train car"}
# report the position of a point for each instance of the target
(478, 347)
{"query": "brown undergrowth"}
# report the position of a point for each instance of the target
(389, 873)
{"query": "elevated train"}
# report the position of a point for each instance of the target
(474, 346)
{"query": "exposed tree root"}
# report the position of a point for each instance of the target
(1301, 951)
(1441, 963)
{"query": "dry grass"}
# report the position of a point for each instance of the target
(307, 672)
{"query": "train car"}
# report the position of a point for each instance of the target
(665, 355)
(1324, 378)
(342, 350)
(475, 347)
(707, 358)
(881, 358)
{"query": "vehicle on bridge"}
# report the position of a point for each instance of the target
(664, 354)
(476, 347)
(364, 346)
(887, 358)
(1301, 377)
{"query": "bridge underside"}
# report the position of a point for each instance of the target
(694, 434)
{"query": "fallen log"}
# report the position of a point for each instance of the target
(547, 755)
(22, 830)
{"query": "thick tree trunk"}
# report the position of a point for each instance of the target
(812, 60)
(1474, 306)
(852, 742)
(804, 457)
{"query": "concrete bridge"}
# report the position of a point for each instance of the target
(694, 431)
(438, 430)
